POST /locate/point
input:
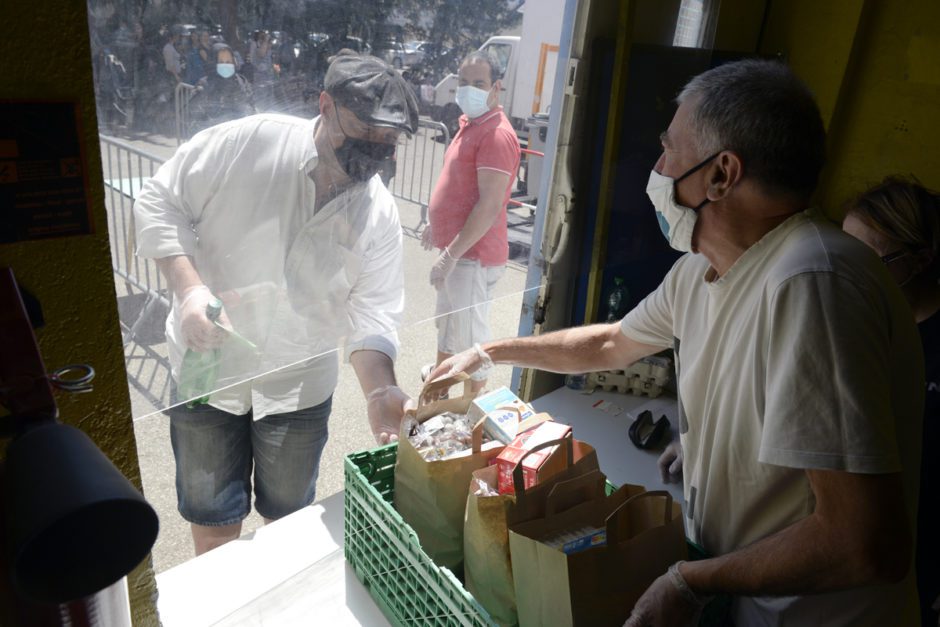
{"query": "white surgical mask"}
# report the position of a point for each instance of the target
(225, 70)
(472, 100)
(675, 221)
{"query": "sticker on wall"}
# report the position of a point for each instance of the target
(42, 172)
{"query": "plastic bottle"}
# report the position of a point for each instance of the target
(200, 370)
(617, 301)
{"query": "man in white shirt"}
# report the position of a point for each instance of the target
(799, 373)
(285, 222)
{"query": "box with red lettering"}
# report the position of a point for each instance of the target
(537, 466)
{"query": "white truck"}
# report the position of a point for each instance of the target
(528, 59)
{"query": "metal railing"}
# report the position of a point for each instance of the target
(181, 97)
(418, 163)
(126, 168)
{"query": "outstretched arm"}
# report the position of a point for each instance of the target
(579, 349)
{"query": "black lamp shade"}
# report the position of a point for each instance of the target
(76, 524)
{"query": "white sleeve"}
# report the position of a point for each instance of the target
(651, 321)
(828, 389)
(171, 202)
(377, 300)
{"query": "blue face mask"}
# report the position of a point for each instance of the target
(225, 70)
(472, 100)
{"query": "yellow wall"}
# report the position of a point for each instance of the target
(888, 116)
(44, 54)
(816, 39)
(874, 66)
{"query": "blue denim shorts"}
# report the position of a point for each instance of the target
(216, 451)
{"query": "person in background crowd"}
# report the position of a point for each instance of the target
(205, 48)
(467, 212)
(899, 219)
(286, 221)
(262, 63)
(171, 56)
(224, 94)
(799, 370)
(196, 58)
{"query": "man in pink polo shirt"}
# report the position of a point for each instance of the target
(467, 213)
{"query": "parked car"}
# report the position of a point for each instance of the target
(392, 52)
(414, 53)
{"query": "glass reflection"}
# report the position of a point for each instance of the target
(256, 253)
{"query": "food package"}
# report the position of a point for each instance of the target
(537, 466)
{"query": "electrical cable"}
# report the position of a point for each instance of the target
(75, 378)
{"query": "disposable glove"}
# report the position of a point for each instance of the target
(469, 361)
(670, 462)
(386, 406)
(442, 268)
(668, 602)
(200, 333)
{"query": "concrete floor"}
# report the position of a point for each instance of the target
(348, 425)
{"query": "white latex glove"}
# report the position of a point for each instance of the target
(200, 333)
(670, 463)
(426, 238)
(442, 268)
(469, 361)
(668, 602)
(386, 407)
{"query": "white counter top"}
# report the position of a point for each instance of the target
(619, 459)
(291, 572)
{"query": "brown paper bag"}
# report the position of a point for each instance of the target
(487, 568)
(600, 585)
(431, 496)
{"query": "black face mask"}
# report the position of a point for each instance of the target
(362, 159)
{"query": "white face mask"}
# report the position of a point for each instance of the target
(675, 221)
(472, 100)
(225, 70)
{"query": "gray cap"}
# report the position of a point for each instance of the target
(375, 92)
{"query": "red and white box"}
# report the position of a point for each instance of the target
(537, 466)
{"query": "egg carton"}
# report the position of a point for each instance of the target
(646, 377)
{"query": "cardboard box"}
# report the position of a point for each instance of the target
(536, 467)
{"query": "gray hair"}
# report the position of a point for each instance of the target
(761, 111)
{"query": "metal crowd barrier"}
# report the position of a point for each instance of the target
(126, 168)
(181, 96)
(418, 163)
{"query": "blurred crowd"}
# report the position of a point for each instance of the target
(182, 78)
(140, 80)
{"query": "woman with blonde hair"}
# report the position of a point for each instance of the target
(900, 220)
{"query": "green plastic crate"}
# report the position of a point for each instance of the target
(387, 558)
(383, 550)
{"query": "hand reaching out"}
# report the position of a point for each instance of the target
(469, 361)
(386, 406)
